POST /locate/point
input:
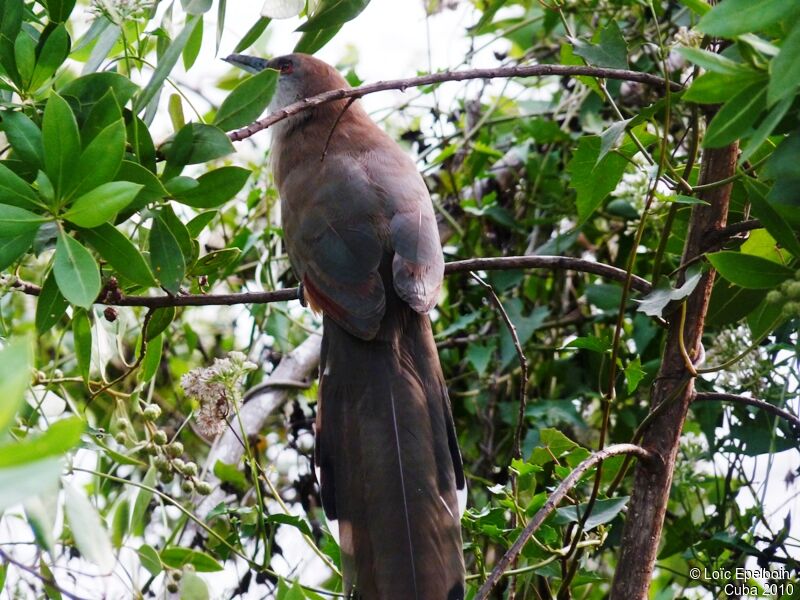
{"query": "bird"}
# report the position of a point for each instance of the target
(362, 239)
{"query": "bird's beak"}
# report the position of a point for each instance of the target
(251, 64)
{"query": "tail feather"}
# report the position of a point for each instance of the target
(389, 463)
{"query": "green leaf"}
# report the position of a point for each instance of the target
(552, 445)
(15, 191)
(142, 144)
(90, 89)
(76, 272)
(610, 51)
(252, 34)
(9, 28)
(50, 306)
(25, 57)
(23, 481)
(166, 257)
(119, 524)
(736, 117)
(53, 54)
(152, 357)
(119, 251)
(215, 187)
(698, 7)
(160, 320)
(293, 521)
(603, 511)
(165, 64)
(87, 528)
(656, 301)
(101, 159)
(196, 7)
(230, 474)
(216, 261)
(764, 130)
(748, 271)
(716, 88)
(593, 180)
(150, 559)
(634, 374)
(62, 144)
(332, 13)
(192, 49)
(479, 356)
(102, 204)
(139, 513)
(40, 513)
(774, 223)
(15, 375)
(198, 143)
(178, 229)
(82, 339)
(25, 138)
(311, 41)
(734, 17)
(785, 68)
(193, 587)
(11, 248)
(59, 10)
(247, 101)
(59, 438)
(105, 112)
(15, 221)
(198, 223)
(713, 62)
(177, 558)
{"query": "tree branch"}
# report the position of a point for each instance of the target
(552, 502)
(403, 84)
(504, 263)
(765, 406)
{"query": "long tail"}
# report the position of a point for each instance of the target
(389, 465)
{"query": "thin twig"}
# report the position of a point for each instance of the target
(765, 406)
(432, 78)
(45, 580)
(335, 123)
(473, 264)
(552, 502)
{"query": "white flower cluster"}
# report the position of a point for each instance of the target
(216, 388)
(119, 11)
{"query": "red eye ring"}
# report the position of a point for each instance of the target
(286, 68)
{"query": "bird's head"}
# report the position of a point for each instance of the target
(300, 76)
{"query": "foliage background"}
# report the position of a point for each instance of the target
(110, 137)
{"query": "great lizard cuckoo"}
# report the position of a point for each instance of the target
(362, 238)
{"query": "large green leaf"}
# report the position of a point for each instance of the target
(177, 558)
(53, 54)
(101, 159)
(61, 436)
(51, 304)
(87, 528)
(773, 222)
(105, 112)
(59, 10)
(62, 144)
(15, 191)
(716, 88)
(246, 103)
(89, 89)
(198, 143)
(332, 13)
(15, 375)
(252, 34)
(165, 64)
(82, 340)
(785, 68)
(593, 180)
(166, 257)
(610, 50)
(603, 511)
(15, 221)
(736, 117)
(734, 17)
(748, 271)
(119, 251)
(25, 138)
(102, 203)
(716, 63)
(11, 248)
(215, 187)
(76, 271)
(20, 482)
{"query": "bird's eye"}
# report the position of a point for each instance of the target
(286, 67)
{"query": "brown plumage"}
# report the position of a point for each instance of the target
(361, 236)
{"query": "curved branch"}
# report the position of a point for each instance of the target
(552, 502)
(765, 406)
(403, 84)
(504, 263)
